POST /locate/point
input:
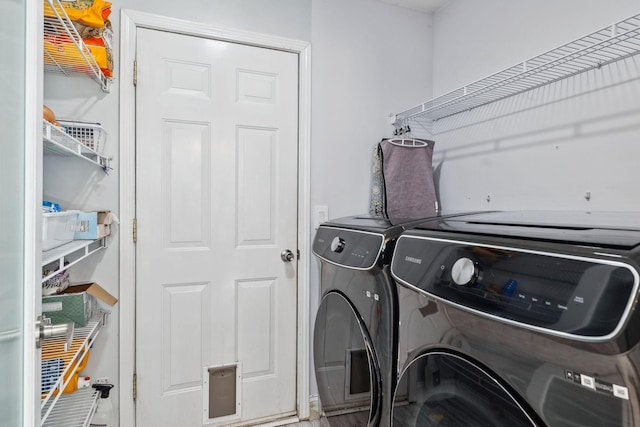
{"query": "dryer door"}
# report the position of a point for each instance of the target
(444, 389)
(347, 370)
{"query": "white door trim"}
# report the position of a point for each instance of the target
(129, 22)
(32, 219)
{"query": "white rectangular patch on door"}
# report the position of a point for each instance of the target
(256, 87)
(256, 188)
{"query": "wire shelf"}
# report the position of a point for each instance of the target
(64, 50)
(61, 258)
(610, 44)
(57, 141)
(58, 365)
(74, 410)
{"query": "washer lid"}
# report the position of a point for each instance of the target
(608, 229)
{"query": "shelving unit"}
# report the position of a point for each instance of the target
(608, 45)
(60, 364)
(64, 50)
(57, 142)
(74, 410)
(69, 254)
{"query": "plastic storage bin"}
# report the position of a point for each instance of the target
(91, 135)
(58, 228)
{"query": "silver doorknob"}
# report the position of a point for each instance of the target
(287, 255)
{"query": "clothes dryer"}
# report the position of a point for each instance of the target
(355, 335)
(519, 319)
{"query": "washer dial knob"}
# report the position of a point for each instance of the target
(337, 244)
(464, 272)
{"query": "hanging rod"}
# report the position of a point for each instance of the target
(612, 43)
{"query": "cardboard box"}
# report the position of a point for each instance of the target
(93, 225)
(77, 304)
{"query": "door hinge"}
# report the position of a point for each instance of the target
(135, 230)
(135, 386)
(135, 73)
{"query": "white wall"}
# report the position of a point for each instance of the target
(369, 59)
(547, 148)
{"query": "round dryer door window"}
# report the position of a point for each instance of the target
(346, 368)
(445, 390)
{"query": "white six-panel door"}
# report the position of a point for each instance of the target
(216, 204)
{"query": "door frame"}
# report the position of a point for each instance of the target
(32, 255)
(130, 21)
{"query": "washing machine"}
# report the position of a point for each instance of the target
(355, 332)
(519, 319)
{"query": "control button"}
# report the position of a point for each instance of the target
(464, 272)
(337, 244)
(509, 288)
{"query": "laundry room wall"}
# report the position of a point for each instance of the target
(548, 148)
(368, 60)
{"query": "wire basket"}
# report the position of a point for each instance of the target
(91, 135)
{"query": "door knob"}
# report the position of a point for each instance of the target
(44, 330)
(287, 255)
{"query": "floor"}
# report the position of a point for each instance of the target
(312, 423)
(322, 422)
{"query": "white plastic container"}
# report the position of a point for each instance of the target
(91, 135)
(58, 228)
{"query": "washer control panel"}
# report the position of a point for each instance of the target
(580, 296)
(348, 248)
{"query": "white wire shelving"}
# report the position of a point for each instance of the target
(57, 142)
(58, 369)
(64, 50)
(610, 44)
(61, 258)
(74, 410)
